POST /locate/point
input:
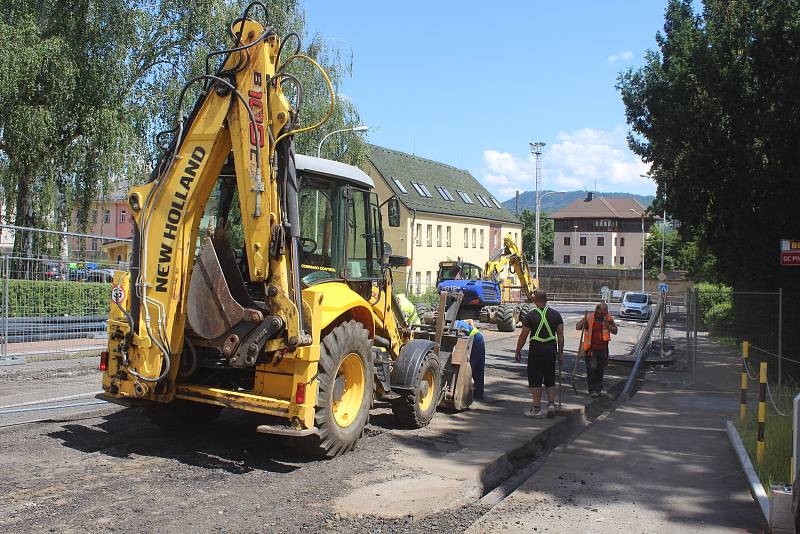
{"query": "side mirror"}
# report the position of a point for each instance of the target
(393, 207)
(399, 261)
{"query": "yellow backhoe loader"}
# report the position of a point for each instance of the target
(299, 324)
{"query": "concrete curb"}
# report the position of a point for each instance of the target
(509, 464)
(756, 488)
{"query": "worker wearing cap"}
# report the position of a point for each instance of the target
(477, 358)
(598, 328)
(545, 327)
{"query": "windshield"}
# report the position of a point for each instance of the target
(459, 271)
(636, 298)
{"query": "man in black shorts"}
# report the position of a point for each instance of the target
(545, 327)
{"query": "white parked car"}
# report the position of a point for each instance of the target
(636, 305)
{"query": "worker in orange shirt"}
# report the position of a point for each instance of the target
(598, 327)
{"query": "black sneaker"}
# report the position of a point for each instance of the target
(551, 411)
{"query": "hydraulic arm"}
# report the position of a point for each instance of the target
(510, 256)
(243, 121)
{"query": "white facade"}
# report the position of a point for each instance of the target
(597, 248)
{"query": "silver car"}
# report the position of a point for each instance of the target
(636, 305)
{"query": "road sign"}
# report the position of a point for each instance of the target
(661, 277)
(790, 252)
(662, 287)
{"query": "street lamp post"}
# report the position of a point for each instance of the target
(360, 128)
(536, 150)
(642, 215)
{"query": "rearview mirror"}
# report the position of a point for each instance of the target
(393, 207)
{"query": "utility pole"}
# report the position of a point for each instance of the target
(663, 238)
(641, 214)
(536, 150)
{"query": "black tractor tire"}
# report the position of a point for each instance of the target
(421, 309)
(525, 309)
(505, 318)
(347, 339)
(182, 415)
(415, 409)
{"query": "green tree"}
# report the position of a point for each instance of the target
(715, 112)
(86, 84)
(528, 219)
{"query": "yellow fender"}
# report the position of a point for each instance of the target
(337, 303)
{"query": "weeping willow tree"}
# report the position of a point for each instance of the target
(86, 84)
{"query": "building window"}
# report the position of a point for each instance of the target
(483, 201)
(421, 189)
(599, 260)
(418, 279)
(123, 216)
(106, 216)
(427, 280)
(429, 235)
(418, 238)
(94, 244)
(516, 239)
(601, 241)
(445, 193)
(582, 260)
(496, 203)
(622, 241)
(615, 241)
(400, 186)
(566, 259)
(438, 235)
(622, 260)
(481, 240)
(465, 197)
(447, 236)
(94, 216)
(474, 237)
(566, 241)
(583, 241)
(466, 238)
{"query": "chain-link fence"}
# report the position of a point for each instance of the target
(53, 313)
(740, 338)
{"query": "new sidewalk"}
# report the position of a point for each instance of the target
(460, 456)
(660, 463)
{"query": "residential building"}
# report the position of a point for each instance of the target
(446, 214)
(109, 217)
(600, 231)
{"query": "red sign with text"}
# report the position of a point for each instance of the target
(790, 252)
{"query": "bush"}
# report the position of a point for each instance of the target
(710, 295)
(430, 297)
(719, 318)
(35, 298)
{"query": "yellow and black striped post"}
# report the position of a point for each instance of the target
(743, 401)
(762, 412)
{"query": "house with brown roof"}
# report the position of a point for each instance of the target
(601, 231)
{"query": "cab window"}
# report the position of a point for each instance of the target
(317, 233)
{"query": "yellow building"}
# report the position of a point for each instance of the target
(446, 214)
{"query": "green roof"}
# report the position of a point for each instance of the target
(421, 177)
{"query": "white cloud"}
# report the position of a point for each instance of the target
(626, 55)
(577, 160)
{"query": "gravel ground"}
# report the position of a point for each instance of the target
(115, 471)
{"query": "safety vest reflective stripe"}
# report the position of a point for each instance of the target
(543, 323)
(473, 331)
(587, 339)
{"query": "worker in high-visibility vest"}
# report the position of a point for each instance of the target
(477, 358)
(599, 326)
(545, 327)
(408, 309)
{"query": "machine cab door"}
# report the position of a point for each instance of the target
(363, 243)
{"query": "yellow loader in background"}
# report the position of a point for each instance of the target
(300, 324)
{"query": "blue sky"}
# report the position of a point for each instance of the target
(472, 83)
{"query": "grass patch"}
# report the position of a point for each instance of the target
(729, 342)
(776, 468)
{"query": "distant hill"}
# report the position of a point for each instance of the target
(553, 203)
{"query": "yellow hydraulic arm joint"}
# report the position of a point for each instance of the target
(511, 256)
